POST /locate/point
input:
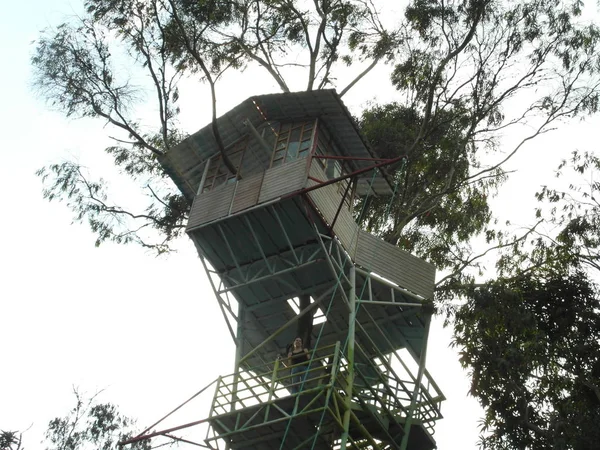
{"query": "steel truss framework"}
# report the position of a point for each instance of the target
(366, 387)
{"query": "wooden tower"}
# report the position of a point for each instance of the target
(282, 228)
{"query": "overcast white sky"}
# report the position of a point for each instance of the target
(114, 317)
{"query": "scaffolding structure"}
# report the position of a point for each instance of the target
(283, 227)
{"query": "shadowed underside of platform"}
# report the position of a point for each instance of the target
(267, 255)
(316, 428)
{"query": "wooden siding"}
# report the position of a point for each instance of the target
(324, 199)
(396, 265)
(368, 251)
(347, 230)
(283, 180)
(211, 205)
(371, 252)
(327, 200)
(246, 193)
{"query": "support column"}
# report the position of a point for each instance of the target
(204, 175)
(239, 346)
(418, 381)
(350, 358)
(305, 324)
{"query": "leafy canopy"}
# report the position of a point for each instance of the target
(91, 425)
(466, 72)
(532, 347)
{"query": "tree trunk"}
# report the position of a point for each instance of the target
(305, 324)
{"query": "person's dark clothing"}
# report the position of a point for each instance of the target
(299, 357)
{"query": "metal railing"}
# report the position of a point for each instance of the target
(269, 382)
(384, 386)
(388, 383)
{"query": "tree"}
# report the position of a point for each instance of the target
(575, 210)
(467, 73)
(531, 337)
(457, 66)
(10, 440)
(532, 346)
(75, 71)
(91, 425)
(569, 217)
(462, 76)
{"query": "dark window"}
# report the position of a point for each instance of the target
(292, 142)
(218, 173)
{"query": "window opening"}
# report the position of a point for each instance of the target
(292, 142)
(218, 173)
(319, 316)
(326, 147)
(333, 168)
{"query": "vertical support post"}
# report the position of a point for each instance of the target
(204, 175)
(274, 377)
(239, 344)
(305, 324)
(350, 377)
(415, 396)
(385, 400)
(216, 291)
(215, 397)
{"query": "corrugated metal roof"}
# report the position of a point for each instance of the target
(184, 162)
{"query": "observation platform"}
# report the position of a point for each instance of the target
(285, 233)
(302, 431)
(254, 411)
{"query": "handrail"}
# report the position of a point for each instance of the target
(143, 436)
(266, 382)
(388, 391)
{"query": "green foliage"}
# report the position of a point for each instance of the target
(422, 14)
(531, 338)
(437, 208)
(414, 74)
(532, 346)
(466, 73)
(576, 209)
(167, 214)
(74, 71)
(91, 425)
(457, 66)
(570, 215)
(10, 440)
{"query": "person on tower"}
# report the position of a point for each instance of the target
(298, 359)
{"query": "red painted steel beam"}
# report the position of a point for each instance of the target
(160, 433)
(349, 158)
(387, 162)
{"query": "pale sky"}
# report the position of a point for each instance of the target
(142, 328)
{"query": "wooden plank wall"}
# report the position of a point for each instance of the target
(324, 198)
(283, 180)
(327, 200)
(371, 252)
(347, 231)
(211, 205)
(396, 265)
(247, 192)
